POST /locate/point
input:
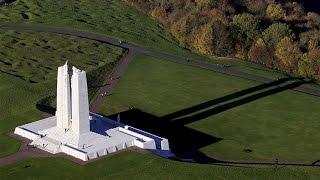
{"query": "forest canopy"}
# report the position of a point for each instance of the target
(279, 34)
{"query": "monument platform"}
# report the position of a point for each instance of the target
(106, 136)
(81, 134)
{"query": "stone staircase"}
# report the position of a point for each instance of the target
(47, 144)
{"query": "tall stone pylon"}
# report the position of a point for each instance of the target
(80, 102)
(64, 112)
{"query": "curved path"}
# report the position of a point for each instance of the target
(138, 49)
(26, 152)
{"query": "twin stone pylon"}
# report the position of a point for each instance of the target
(72, 101)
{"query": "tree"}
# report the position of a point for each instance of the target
(274, 33)
(257, 7)
(310, 39)
(275, 12)
(246, 28)
(159, 13)
(313, 20)
(295, 11)
(309, 65)
(223, 44)
(261, 53)
(179, 30)
(288, 53)
(202, 39)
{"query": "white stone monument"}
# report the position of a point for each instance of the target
(77, 132)
(72, 101)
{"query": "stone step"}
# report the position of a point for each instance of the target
(47, 144)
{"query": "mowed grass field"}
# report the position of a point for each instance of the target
(28, 67)
(232, 114)
(145, 166)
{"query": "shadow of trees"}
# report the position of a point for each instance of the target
(186, 142)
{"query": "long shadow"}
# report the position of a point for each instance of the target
(233, 104)
(238, 94)
(186, 142)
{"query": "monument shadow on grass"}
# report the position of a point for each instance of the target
(185, 142)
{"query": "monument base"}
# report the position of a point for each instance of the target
(106, 136)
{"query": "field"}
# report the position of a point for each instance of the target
(222, 115)
(28, 65)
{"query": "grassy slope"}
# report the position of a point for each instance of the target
(282, 125)
(109, 17)
(37, 60)
(17, 106)
(35, 56)
(145, 166)
(112, 18)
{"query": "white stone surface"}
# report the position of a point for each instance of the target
(63, 112)
(80, 102)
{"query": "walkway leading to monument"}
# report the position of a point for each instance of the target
(105, 91)
(138, 49)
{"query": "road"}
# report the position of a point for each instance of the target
(138, 49)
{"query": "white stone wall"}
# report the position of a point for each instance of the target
(63, 112)
(143, 142)
(74, 152)
(26, 134)
(165, 144)
(80, 102)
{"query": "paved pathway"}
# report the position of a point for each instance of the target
(25, 152)
(105, 91)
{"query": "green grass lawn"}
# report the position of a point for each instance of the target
(272, 124)
(28, 67)
(145, 166)
(35, 56)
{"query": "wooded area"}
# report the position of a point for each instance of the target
(278, 34)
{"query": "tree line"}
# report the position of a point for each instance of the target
(279, 34)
